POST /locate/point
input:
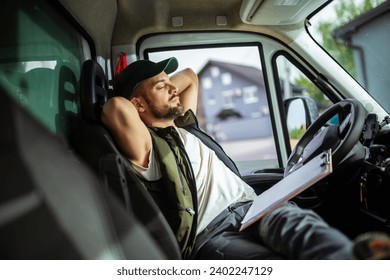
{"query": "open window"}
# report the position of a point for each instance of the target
(233, 102)
(304, 101)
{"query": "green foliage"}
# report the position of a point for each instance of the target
(311, 88)
(296, 133)
(338, 50)
(346, 10)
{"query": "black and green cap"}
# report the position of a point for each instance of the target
(139, 71)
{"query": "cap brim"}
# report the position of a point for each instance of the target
(168, 65)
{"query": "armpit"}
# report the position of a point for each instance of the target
(152, 172)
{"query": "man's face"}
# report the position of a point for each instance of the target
(161, 97)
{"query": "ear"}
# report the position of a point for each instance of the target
(138, 104)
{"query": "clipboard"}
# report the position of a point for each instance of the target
(307, 175)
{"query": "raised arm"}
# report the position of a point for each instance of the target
(121, 118)
(187, 83)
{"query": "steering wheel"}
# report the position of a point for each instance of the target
(322, 136)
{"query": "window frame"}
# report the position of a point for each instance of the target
(145, 51)
(84, 48)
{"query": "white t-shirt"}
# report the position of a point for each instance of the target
(217, 186)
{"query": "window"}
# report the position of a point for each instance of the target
(227, 99)
(211, 101)
(214, 72)
(356, 35)
(294, 83)
(207, 83)
(232, 101)
(250, 94)
(40, 60)
(226, 79)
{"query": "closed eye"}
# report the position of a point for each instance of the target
(160, 84)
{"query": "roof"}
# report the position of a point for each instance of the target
(250, 73)
(345, 32)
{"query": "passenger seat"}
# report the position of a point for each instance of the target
(96, 146)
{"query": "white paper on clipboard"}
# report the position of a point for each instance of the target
(290, 186)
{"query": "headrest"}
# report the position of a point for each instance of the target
(94, 90)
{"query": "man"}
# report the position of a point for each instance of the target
(198, 190)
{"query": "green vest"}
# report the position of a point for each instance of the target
(175, 193)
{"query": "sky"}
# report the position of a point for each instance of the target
(196, 59)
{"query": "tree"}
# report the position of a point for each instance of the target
(346, 11)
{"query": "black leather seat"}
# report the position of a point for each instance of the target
(95, 145)
(52, 206)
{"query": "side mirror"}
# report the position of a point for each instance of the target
(301, 112)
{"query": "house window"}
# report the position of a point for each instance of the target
(214, 72)
(211, 101)
(207, 83)
(227, 99)
(250, 95)
(226, 79)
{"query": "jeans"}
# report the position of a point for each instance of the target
(289, 232)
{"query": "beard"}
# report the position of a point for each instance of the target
(168, 112)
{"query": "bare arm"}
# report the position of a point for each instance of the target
(121, 117)
(187, 83)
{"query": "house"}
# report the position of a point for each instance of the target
(233, 102)
(368, 36)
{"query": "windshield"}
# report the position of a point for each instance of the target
(356, 34)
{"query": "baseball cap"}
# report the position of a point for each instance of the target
(141, 70)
